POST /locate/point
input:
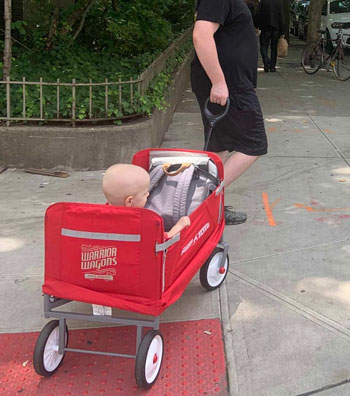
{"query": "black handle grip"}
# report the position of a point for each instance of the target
(215, 118)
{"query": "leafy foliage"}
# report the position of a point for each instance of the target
(115, 108)
(118, 40)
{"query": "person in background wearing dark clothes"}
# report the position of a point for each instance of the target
(252, 4)
(270, 20)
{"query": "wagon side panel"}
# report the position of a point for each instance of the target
(201, 237)
(103, 249)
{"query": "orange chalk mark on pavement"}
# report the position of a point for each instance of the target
(311, 209)
(328, 131)
(268, 209)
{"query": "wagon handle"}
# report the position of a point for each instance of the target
(213, 119)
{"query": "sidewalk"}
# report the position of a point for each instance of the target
(285, 303)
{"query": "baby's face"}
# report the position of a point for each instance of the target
(140, 199)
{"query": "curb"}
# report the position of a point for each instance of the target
(228, 342)
(93, 147)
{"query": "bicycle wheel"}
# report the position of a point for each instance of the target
(311, 57)
(341, 66)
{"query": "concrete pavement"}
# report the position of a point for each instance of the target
(285, 303)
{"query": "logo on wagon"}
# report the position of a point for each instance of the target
(196, 238)
(99, 261)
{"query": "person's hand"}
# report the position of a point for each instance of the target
(219, 93)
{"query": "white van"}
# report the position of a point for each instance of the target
(335, 11)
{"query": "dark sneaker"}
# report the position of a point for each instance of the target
(233, 218)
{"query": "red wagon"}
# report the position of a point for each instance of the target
(120, 257)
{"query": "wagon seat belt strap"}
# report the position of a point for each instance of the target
(156, 175)
(181, 193)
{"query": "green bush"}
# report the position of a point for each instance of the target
(154, 97)
(119, 40)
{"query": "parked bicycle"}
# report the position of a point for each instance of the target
(315, 54)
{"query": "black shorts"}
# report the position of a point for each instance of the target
(243, 128)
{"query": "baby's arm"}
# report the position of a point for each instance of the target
(182, 223)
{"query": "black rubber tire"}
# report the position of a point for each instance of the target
(203, 273)
(311, 55)
(342, 66)
(39, 349)
(141, 358)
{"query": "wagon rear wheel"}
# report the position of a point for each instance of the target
(46, 359)
(149, 359)
(213, 273)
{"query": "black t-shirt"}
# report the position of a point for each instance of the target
(236, 44)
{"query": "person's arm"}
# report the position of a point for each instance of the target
(204, 43)
(182, 223)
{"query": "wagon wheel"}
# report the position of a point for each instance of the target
(46, 358)
(149, 359)
(212, 274)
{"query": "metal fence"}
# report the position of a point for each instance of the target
(135, 86)
(116, 93)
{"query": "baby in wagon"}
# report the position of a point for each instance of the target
(128, 185)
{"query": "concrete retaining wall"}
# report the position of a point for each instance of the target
(88, 148)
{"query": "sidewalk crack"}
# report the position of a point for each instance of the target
(319, 390)
(291, 251)
(319, 319)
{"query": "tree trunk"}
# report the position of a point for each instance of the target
(6, 70)
(77, 15)
(82, 21)
(115, 4)
(315, 9)
(53, 26)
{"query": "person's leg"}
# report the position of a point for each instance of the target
(223, 156)
(274, 41)
(236, 165)
(248, 125)
(252, 143)
(264, 46)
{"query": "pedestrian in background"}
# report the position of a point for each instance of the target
(252, 5)
(270, 20)
(225, 65)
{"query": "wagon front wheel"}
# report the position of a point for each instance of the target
(46, 359)
(213, 273)
(149, 359)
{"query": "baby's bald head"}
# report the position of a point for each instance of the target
(126, 185)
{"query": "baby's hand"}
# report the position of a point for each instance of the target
(185, 221)
(180, 225)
